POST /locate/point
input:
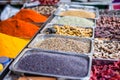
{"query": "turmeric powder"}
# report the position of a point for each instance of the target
(30, 16)
(11, 46)
(18, 28)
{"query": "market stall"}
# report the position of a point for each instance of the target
(63, 41)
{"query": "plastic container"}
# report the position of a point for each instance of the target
(4, 60)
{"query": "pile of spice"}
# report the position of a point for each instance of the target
(11, 46)
(78, 13)
(14, 31)
(64, 44)
(29, 15)
(75, 21)
(45, 10)
(108, 21)
(108, 32)
(70, 31)
(18, 28)
(54, 64)
(105, 70)
(106, 49)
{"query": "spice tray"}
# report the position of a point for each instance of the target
(15, 67)
(56, 18)
(48, 26)
(77, 7)
(106, 49)
(41, 37)
(109, 12)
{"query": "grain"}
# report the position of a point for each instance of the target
(64, 44)
(75, 21)
(78, 13)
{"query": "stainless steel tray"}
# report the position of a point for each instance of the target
(109, 12)
(56, 18)
(43, 31)
(77, 7)
(41, 37)
(26, 52)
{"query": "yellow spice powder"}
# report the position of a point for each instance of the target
(78, 13)
(11, 46)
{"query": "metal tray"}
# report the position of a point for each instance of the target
(27, 52)
(43, 31)
(41, 37)
(77, 7)
(109, 12)
(56, 18)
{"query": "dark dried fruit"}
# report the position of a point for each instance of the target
(105, 70)
(108, 21)
(113, 33)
